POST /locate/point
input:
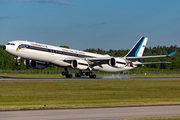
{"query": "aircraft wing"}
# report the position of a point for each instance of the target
(149, 63)
(105, 60)
(145, 57)
(91, 61)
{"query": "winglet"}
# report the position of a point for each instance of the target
(172, 54)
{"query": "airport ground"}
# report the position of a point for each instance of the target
(115, 113)
(36, 75)
(33, 94)
(87, 93)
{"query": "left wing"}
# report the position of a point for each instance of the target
(114, 61)
(108, 58)
(91, 61)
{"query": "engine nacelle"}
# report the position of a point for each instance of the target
(117, 62)
(80, 64)
(27, 62)
(35, 64)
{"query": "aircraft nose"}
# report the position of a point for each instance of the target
(4, 47)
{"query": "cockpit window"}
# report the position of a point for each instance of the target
(10, 44)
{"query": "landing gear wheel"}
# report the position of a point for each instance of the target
(87, 73)
(69, 76)
(63, 73)
(77, 75)
(66, 73)
(80, 74)
(83, 73)
(92, 76)
(17, 64)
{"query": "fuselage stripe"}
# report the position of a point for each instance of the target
(54, 51)
(121, 63)
(83, 64)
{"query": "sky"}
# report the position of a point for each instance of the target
(84, 24)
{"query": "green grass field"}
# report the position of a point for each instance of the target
(25, 95)
(31, 76)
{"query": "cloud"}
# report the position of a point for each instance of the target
(94, 24)
(7, 17)
(60, 2)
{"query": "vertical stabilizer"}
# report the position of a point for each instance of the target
(138, 48)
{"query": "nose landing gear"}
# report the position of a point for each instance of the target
(17, 61)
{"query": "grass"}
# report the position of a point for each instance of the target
(25, 95)
(155, 75)
(31, 76)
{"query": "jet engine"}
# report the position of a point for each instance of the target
(35, 64)
(80, 64)
(117, 62)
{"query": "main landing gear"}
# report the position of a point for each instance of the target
(85, 74)
(66, 73)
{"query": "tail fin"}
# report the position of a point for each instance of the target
(138, 48)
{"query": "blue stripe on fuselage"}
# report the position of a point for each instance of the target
(54, 51)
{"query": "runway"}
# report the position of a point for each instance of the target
(87, 78)
(93, 113)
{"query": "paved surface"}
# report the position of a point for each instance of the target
(93, 113)
(86, 78)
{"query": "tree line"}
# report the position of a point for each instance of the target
(7, 61)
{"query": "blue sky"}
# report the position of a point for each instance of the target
(81, 24)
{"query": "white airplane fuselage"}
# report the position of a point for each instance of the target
(57, 55)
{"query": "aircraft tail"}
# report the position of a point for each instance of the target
(138, 48)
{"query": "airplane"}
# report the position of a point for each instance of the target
(39, 56)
